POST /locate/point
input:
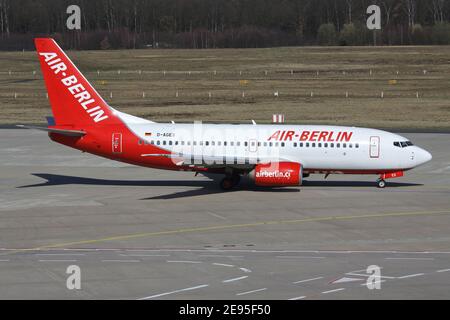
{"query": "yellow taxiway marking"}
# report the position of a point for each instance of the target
(230, 226)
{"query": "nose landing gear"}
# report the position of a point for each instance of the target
(381, 183)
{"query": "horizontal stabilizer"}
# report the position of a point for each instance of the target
(65, 132)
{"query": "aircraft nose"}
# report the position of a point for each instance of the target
(423, 156)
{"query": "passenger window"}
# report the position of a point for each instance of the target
(259, 144)
(282, 144)
(253, 143)
(139, 142)
(170, 143)
(232, 143)
(295, 144)
(350, 145)
(164, 142)
(157, 142)
(218, 143)
(176, 143)
(331, 145)
(212, 143)
(270, 144)
(338, 145)
(307, 144)
(206, 143)
(265, 144)
(245, 144)
(320, 145)
(313, 145)
(276, 144)
(188, 143)
(356, 145)
(194, 143)
(301, 144)
(344, 145)
(325, 145)
(238, 144)
(152, 142)
(224, 143)
(182, 143)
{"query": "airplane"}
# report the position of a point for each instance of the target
(275, 155)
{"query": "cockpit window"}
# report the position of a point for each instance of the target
(403, 144)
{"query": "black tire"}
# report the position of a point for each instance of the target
(381, 183)
(226, 184)
(236, 179)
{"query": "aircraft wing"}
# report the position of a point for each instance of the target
(207, 161)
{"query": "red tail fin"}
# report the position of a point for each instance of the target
(73, 100)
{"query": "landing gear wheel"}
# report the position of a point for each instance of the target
(226, 184)
(381, 183)
(229, 183)
(236, 179)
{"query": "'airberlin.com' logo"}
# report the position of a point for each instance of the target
(273, 174)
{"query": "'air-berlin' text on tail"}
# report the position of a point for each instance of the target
(73, 100)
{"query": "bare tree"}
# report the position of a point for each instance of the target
(349, 10)
(437, 8)
(410, 9)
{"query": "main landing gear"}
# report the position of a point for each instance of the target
(229, 182)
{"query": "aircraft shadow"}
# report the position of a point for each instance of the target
(203, 187)
(371, 184)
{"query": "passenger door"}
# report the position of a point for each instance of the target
(374, 148)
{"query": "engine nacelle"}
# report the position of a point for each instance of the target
(277, 174)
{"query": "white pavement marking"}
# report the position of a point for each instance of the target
(375, 282)
(307, 280)
(219, 256)
(176, 291)
(335, 290)
(443, 270)
(252, 291)
(223, 265)
(184, 261)
(145, 255)
(234, 279)
(368, 275)
(245, 270)
(411, 275)
(303, 257)
(60, 254)
(121, 261)
(409, 258)
(57, 260)
(216, 215)
(4, 260)
(298, 298)
(346, 279)
(365, 270)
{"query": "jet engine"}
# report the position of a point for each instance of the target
(277, 174)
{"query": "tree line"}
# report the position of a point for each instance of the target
(112, 24)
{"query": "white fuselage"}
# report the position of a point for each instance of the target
(317, 147)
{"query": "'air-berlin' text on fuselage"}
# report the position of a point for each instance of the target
(76, 89)
(314, 136)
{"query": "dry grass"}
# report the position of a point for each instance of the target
(290, 71)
